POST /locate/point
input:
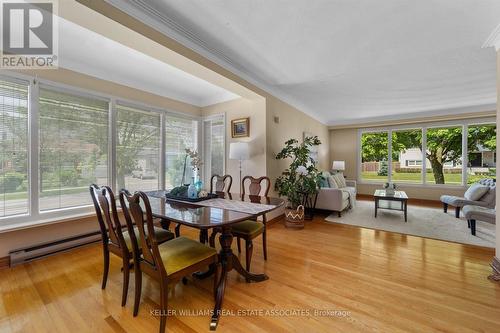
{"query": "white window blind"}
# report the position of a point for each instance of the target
(73, 147)
(214, 147)
(137, 149)
(180, 133)
(13, 148)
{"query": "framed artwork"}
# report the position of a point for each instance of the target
(240, 127)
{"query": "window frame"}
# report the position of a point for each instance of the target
(34, 217)
(207, 154)
(360, 157)
(463, 123)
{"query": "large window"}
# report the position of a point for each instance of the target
(443, 161)
(214, 146)
(481, 152)
(137, 149)
(407, 157)
(56, 140)
(180, 133)
(374, 156)
(13, 148)
(73, 147)
(444, 153)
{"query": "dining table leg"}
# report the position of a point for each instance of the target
(229, 261)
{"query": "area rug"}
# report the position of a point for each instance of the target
(422, 221)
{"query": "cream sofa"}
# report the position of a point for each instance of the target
(335, 199)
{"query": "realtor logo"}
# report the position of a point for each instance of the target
(29, 34)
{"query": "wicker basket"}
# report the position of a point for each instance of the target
(294, 218)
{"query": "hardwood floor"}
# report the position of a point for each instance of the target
(386, 282)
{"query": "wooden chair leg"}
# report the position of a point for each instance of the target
(239, 244)
(445, 207)
(163, 306)
(177, 230)
(203, 236)
(211, 241)
(457, 212)
(106, 267)
(138, 287)
(264, 243)
(126, 278)
(248, 253)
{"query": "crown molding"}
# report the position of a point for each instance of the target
(144, 12)
(493, 39)
(480, 110)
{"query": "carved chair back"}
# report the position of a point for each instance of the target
(107, 215)
(222, 183)
(140, 210)
(255, 187)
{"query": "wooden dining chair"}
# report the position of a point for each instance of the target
(167, 262)
(222, 183)
(248, 230)
(116, 238)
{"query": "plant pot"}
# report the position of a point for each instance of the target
(294, 218)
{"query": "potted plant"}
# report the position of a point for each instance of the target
(300, 180)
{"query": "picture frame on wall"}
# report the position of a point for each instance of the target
(240, 128)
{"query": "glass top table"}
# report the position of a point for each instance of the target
(199, 216)
(397, 201)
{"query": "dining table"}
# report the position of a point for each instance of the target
(218, 213)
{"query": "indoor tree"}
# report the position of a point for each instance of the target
(301, 178)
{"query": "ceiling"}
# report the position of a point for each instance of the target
(345, 61)
(87, 52)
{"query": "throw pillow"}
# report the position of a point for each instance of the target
(332, 182)
(475, 192)
(339, 178)
(323, 182)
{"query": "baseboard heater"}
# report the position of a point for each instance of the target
(43, 250)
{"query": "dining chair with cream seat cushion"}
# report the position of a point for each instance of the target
(115, 237)
(168, 262)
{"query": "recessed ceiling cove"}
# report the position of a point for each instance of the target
(345, 61)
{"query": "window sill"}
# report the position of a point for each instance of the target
(421, 185)
(41, 221)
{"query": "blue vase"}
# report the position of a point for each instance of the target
(198, 185)
(192, 191)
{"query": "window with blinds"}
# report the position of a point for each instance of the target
(73, 147)
(180, 133)
(214, 146)
(137, 149)
(14, 186)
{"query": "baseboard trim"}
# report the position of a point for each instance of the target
(495, 266)
(411, 201)
(4, 262)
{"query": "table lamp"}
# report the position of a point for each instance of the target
(338, 166)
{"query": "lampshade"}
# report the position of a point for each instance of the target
(239, 151)
(338, 165)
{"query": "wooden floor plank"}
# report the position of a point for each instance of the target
(386, 282)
